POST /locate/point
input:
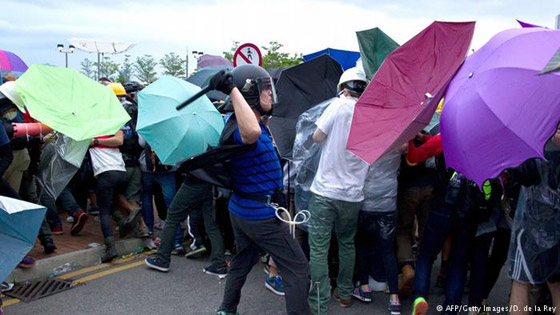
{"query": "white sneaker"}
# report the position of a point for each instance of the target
(377, 286)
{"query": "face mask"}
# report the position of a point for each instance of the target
(10, 115)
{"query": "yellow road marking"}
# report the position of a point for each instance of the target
(108, 272)
(10, 302)
(101, 266)
(94, 276)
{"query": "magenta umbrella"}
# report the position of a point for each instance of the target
(11, 62)
(398, 102)
(499, 111)
(212, 61)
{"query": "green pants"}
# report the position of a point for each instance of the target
(327, 214)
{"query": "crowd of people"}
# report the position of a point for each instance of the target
(376, 227)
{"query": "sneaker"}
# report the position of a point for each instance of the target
(394, 307)
(80, 220)
(344, 302)
(274, 285)
(178, 249)
(27, 262)
(420, 306)
(93, 211)
(221, 272)
(57, 230)
(227, 313)
(196, 252)
(362, 295)
(154, 263)
(5, 286)
(48, 245)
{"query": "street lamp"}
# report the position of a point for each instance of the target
(70, 50)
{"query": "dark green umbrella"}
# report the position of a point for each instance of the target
(375, 45)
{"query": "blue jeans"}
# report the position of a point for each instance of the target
(441, 223)
(166, 180)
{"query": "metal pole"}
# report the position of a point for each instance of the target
(66, 54)
(98, 66)
(187, 65)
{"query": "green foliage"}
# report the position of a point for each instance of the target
(88, 69)
(126, 70)
(173, 64)
(108, 68)
(145, 68)
(229, 54)
(273, 58)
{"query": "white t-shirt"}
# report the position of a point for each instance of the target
(106, 159)
(341, 174)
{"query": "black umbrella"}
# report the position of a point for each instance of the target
(202, 77)
(300, 88)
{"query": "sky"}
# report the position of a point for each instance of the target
(33, 28)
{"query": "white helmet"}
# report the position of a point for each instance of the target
(9, 90)
(352, 75)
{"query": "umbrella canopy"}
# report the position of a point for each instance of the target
(202, 77)
(19, 224)
(375, 45)
(299, 88)
(398, 102)
(71, 103)
(11, 62)
(212, 61)
(100, 46)
(346, 59)
(176, 135)
(499, 111)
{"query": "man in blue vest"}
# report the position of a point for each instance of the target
(256, 177)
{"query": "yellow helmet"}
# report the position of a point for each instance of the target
(117, 88)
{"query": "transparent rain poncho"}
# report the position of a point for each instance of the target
(60, 160)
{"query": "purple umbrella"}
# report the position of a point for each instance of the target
(213, 61)
(499, 111)
(11, 62)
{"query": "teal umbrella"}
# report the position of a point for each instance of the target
(19, 224)
(176, 135)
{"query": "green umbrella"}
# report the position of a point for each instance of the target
(375, 45)
(70, 102)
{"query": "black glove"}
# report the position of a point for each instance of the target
(222, 81)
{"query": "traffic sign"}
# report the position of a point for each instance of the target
(247, 54)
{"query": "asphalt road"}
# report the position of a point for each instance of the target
(185, 289)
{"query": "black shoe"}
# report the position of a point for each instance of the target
(128, 225)
(48, 245)
(110, 251)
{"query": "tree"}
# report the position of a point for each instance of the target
(229, 54)
(273, 58)
(87, 68)
(108, 68)
(145, 68)
(126, 70)
(173, 65)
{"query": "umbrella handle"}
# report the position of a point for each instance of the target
(194, 97)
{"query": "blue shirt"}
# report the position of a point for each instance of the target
(255, 173)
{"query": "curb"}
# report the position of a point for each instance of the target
(45, 268)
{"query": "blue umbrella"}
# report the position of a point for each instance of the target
(176, 135)
(19, 225)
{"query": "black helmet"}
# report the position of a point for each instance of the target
(251, 80)
(132, 86)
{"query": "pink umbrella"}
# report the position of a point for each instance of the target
(11, 62)
(404, 93)
(212, 61)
